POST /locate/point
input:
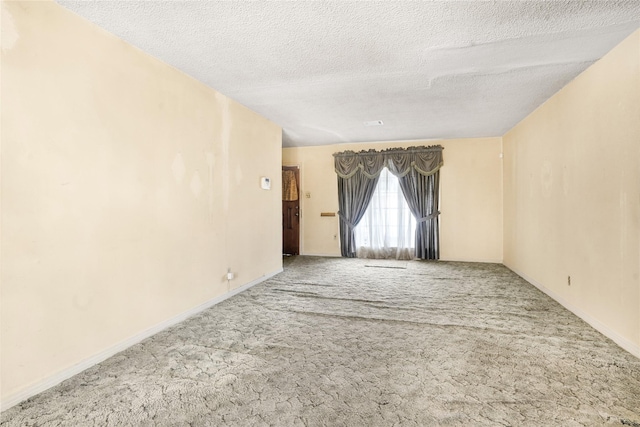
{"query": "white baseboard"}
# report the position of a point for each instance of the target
(65, 374)
(605, 330)
(496, 261)
(323, 255)
(486, 261)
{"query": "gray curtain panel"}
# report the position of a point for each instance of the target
(421, 193)
(418, 170)
(358, 175)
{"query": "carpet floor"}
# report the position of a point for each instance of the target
(349, 342)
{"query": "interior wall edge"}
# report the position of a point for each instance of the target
(621, 341)
(57, 378)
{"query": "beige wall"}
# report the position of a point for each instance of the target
(128, 189)
(470, 192)
(572, 195)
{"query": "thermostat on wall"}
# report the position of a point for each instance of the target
(265, 183)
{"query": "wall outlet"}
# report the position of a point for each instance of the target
(568, 280)
(230, 276)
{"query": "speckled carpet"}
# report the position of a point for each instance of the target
(344, 342)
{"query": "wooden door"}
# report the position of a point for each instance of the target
(291, 210)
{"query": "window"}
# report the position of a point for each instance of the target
(387, 229)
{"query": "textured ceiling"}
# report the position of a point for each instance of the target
(437, 69)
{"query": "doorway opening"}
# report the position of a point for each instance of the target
(290, 210)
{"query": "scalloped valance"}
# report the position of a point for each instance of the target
(399, 161)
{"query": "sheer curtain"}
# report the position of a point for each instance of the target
(387, 229)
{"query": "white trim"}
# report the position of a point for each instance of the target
(605, 330)
(486, 261)
(323, 255)
(65, 374)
